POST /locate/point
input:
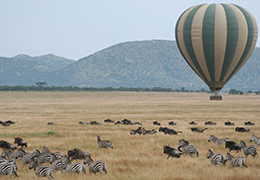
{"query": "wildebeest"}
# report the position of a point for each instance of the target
(241, 129)
(210, 123)
(198, 130)
(109, 121)
(171, 152)
(139, 131)
(156, 123)
(193, 123)
(94, 123)
(249, 123)
(231, 145)
(228, 123)
(7, 145)
(148, 131)
(77, 154)
(20, 142)
(172, 123)
(166, 130)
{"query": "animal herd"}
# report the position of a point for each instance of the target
(46, 163)
(216, 158)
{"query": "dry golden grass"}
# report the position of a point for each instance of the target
(133, 156)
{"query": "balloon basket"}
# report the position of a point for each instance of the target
(216, 97)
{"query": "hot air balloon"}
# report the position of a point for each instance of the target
(216, 40)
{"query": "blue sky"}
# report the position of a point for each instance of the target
(78, 28)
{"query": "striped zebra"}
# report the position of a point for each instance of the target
(218, 141)
(256, 139)
(216, 158)
(41, 171)
(13, 155)
(47, 157)
(188, 148)
(95, 167)
(248, 149)
(77, 167)
(104, 143)
(58, 165)
(45, 150)
(236, 161)
(27, 158)
(8, 167)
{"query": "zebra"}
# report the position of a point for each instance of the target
(8, 167)
(216, 158)
(45, 150)
(77, 167)
(256, 139)
(248, 149)
(218, 141)
(188, 148)
(58, 165)
(236, 161)
(104, 143)
(95, 167)
(13, 155)
(28, 157)
(41, 171)
(47, 157)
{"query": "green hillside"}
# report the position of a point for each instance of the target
(130, 64)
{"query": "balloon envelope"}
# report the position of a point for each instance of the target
(216, 40)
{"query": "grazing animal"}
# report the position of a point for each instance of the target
(41, 171)
(45, 150)
(8, 167)
(256, 139)
(109, 121)
(188, 148)
(210, 123)
(77, 167)
(231, 145)
(248, 149)
(193, 123)
(7, 145)
(172, 123)
(28, 157)
(58, 165)
(241, 129)
(228, 123)
(20, 142)
(148, 131)
(139, 131)
(249, 123)
(13, 155)
(216, 158)
(94, 167)
(156, 123)
(46, 158)
(166, 130)
(218, 141)
(94, 123)
(104, 143)
(77, 154)
(198, 130)
(236, 161)
(171, 152)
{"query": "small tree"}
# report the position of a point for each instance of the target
(41, 84)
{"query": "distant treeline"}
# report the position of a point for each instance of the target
(74, 88)
(42, 87)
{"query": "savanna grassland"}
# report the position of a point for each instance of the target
(133, 156)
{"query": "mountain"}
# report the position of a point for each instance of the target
(130, 64)
(25, 70)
